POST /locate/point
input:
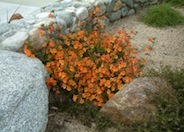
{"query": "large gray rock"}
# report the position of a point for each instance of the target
(133, 102)
(15, 42)
(24, 95)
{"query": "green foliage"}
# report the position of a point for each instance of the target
(169, 117)
(162, 15)
(176, 2)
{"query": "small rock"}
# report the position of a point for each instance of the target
(56, 4)
(45, 22)
(129, 3)
(110, 5)
(124, 11)
(137, 7)
(34, 37)
(66, 15)
(42, 15)
(66, 3)
(115, 16)
(117, 5)
(82, 13)
(153, 2)
(78, 4)
(30, 19)
(141, 1)
(61, 22)
(15, 42)
(74, 25)
(104, 22)
(131, 12)
(102, 8)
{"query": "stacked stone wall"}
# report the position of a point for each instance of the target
(66, 13)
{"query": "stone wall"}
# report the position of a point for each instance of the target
(66, 13)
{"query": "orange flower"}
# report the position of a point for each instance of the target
(68, 88)
(50, 15)
(41, 34)
(147, 48)
(99, 91)
(27, 52)
(44, 45)
(107, 83)
(81, 101)
(32, 56)
(75, 97)
(51, 43)
(127, 79)
(151, 40)
(50, 82)
(96, 10)
(80, 23)
(132, 32)
(110, 95)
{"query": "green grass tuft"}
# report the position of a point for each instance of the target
(162, 15)
(176, 2)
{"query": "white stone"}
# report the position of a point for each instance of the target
(24, 95)
(44, 22)
(30, 19)
(82, 13)
(15, 42)
(43, 15)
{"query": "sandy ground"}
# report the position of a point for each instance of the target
(168, 48)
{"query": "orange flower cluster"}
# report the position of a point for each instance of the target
(27, 51)
(91, 65)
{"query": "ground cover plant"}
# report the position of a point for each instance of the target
(91, 65)
(162, 15)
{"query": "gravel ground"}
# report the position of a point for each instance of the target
(168, 48)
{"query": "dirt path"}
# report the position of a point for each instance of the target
(168, 48)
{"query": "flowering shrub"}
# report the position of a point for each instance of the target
(93, 66)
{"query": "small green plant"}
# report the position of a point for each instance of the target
(176, 2)
(170, 115)
(162, 15)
